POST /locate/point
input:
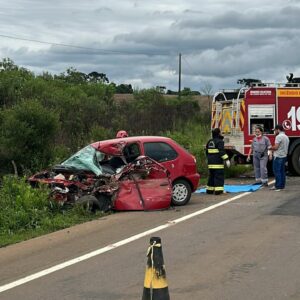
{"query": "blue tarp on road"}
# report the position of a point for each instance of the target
(229, 188)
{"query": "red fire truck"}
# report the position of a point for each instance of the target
(237, 112)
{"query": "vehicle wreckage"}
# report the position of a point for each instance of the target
(99, 177)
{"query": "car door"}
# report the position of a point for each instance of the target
(165, 154)
(146, 186)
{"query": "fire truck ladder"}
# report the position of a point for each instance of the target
(235, 113)
(216, 113)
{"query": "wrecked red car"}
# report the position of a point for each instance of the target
(100, 176)
(178, 161)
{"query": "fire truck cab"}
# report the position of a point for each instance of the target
(237, 112)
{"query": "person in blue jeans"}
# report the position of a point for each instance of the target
(279, 172)
(280, 156)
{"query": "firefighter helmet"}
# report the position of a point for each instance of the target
(122, 134)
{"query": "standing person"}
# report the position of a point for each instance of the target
(259, 148)
(216, 156)
(280, 156)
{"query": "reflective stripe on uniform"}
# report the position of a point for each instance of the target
(225, 156)
(210, 151)
(210, 188)
(219, 188)
(216, 166)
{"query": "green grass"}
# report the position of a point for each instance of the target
(56, 223)
(26, 212)
(194, 137)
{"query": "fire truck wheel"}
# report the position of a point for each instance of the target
(182, 192)
(295, 160)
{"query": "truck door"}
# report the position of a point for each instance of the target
(261, 115)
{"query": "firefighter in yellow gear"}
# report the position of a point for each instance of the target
(216, 156)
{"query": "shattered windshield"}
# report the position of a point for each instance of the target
(86, 159)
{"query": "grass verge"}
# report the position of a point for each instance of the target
(26, 212)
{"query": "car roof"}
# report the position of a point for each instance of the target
(130, 139)
(100, 145)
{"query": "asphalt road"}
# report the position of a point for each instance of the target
(248, 248)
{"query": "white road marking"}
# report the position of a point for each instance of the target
(76, 260)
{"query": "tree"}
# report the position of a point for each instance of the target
(188, 92)
(72, 76)
(75, 77)
(28, 133)
(207, 90)
(124, 89)
(8, 65)
(12, 81)
(185, 92)
(46, 76)
(170, 92)
(96, 77)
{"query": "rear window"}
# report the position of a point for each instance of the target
(160, 151)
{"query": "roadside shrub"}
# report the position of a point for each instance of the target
(193, 137)
(21, 207)
(26, 212)
(150, 113)
(180, 138)
(28, 134)
(98, 133)
(60, 153)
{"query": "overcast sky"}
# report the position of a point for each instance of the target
(138, 41)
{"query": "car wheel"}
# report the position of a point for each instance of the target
(105, 204)
(181, 193)
(89, 203)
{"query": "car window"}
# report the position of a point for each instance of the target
(160, 151)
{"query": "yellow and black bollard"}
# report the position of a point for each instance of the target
(155, 284)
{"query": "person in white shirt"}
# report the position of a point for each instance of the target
(280, 152)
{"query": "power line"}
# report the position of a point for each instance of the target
(193, 72)
(104, 51)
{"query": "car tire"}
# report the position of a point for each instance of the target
(105, 203)
(181, 193)
(89, 203)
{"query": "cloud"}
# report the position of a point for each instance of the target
(139, 41)
(287, 17)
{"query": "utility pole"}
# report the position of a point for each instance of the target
(179, 74)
